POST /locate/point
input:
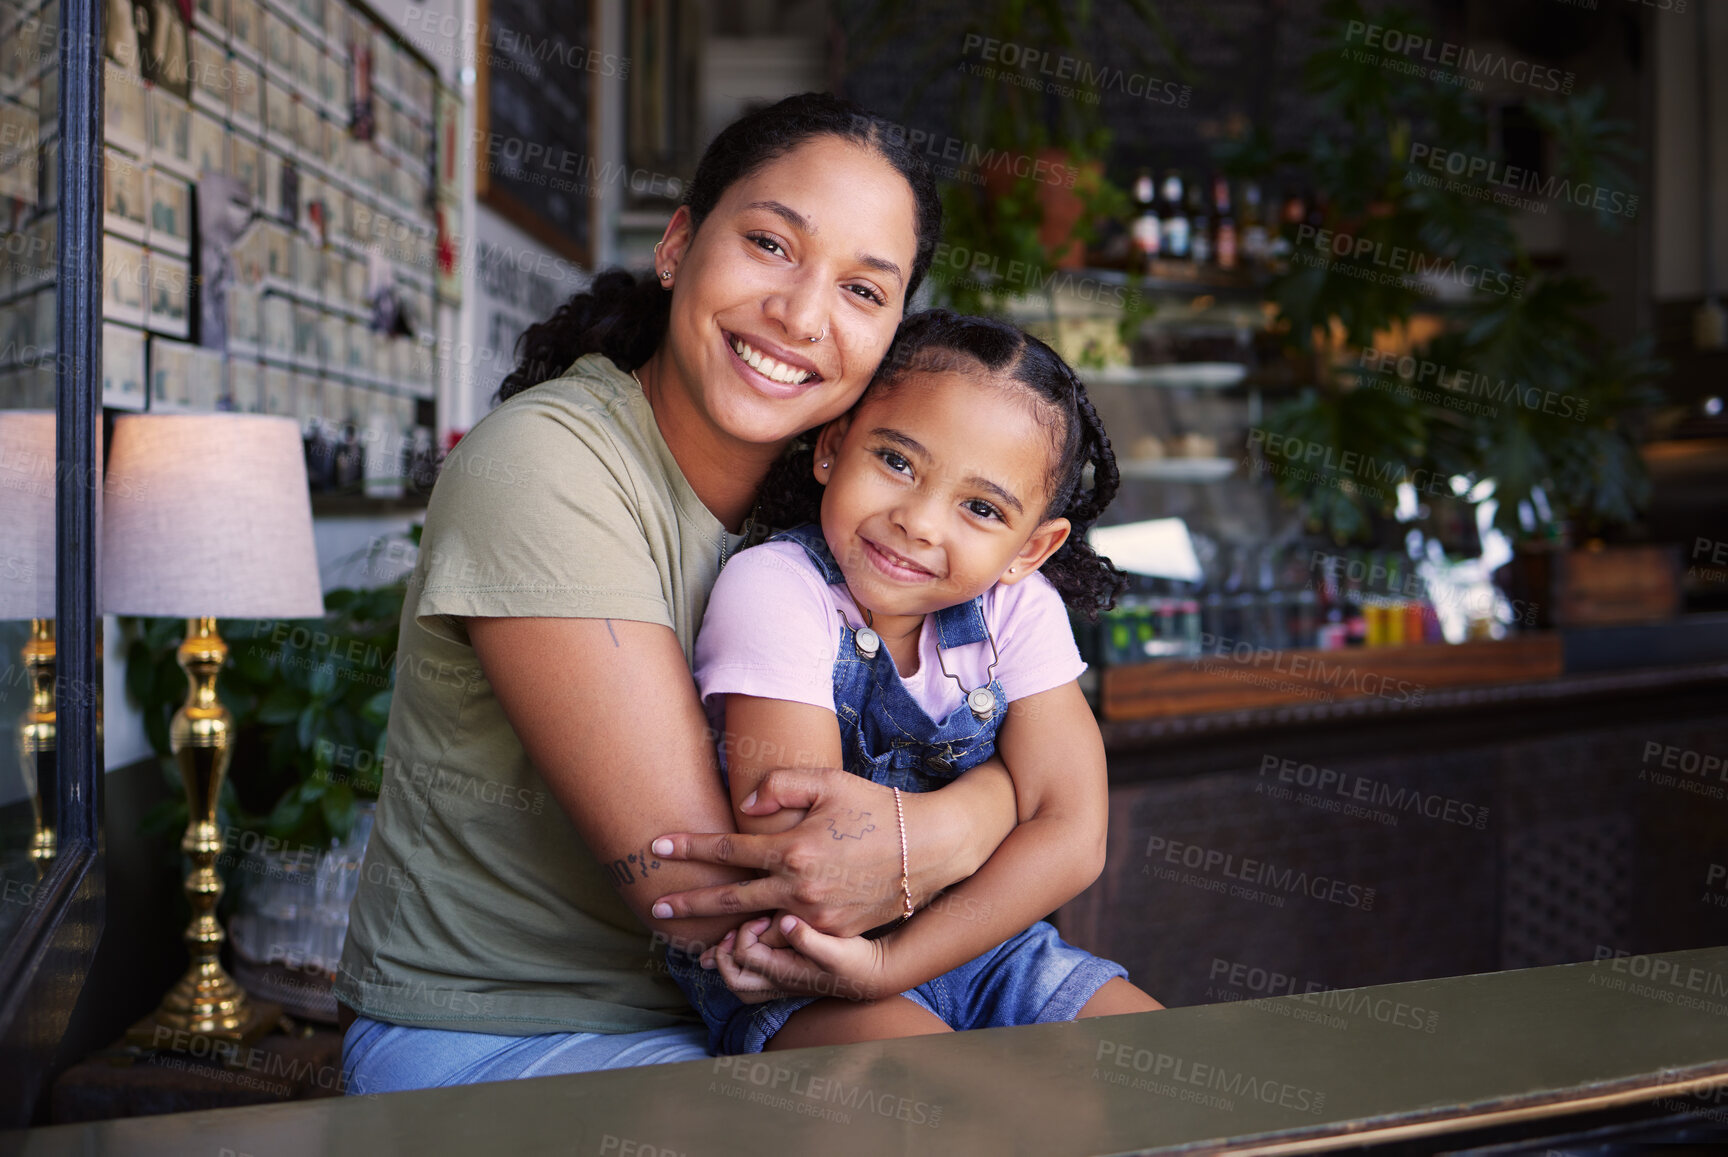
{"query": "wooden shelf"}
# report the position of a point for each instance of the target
(1247, 679)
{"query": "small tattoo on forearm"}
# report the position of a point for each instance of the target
(862, 828)
(631, 868)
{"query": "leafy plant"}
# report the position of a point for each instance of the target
(1535, 337)
(991, 223)
(303, 694)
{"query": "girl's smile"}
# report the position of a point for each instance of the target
(936, 486)
(895, 566)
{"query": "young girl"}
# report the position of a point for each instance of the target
(906, 636)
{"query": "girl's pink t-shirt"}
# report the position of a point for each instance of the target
(771, 630)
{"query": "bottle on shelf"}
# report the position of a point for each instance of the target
(1226, 244)
(1332, 634)
(1212, 615)
(1199, 225)
(1173, 218)
(1189, 610)
(1355, 610)
(1304, 620)
(1292, 215)
(1147, 230)
(1255, 243)
(1116, 635)
(1393, 627)
(1169, 633)
(1415, 625)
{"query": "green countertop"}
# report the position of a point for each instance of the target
(1431, 1054)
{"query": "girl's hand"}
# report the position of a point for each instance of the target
(749, 987)
(815, 964)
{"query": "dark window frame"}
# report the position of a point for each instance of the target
(43, 966)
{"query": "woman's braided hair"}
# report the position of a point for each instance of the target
(941, 341)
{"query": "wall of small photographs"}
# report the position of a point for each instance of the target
(29, 83)
(271, 218)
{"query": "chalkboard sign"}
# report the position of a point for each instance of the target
(535, 69)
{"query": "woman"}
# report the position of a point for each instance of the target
(546, 746)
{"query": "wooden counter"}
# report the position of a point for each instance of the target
(1244, 678)
(1301, 1073)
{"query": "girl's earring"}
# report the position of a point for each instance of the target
(824, 465)
(1011, 569)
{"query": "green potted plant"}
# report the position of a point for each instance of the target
(1025, 205)
(1518, 388)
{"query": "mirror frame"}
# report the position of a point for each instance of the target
(42, 968)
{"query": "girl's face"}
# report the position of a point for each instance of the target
(817, 243)
(935, 488)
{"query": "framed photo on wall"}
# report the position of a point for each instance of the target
(212, 18)
(245, 386)
(247, 165)
(170, 375)
(123, 109)
(122, 367)
(243, 322)
(204, 382)
(278, 390)
(125, 274)
(209, 144)
(212, 79)
(170, 296)
(248, 94)
(125, 210)
(170, 213)
(170, 132)
(246, 28)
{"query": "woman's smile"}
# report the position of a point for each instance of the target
(771, 368)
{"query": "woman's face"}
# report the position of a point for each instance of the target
(817, 243)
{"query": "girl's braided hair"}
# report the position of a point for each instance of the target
(941, 341)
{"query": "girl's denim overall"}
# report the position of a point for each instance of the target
(888, 738)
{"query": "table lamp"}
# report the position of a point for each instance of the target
(27, 592)
(206, 516)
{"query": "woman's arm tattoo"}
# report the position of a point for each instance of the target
(632, 868)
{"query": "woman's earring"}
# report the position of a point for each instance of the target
(1011, 569)
(665, 275)
(824, 465)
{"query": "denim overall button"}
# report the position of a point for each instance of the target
(868, 642)
(938, 764)
(982, 701)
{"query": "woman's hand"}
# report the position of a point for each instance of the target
(839, 869)
(764, 960)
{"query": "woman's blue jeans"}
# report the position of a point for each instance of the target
(378, 1057)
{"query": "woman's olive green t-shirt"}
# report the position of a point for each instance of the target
(479, 906)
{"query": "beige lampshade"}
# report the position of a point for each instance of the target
(27, 514)
(208, 514)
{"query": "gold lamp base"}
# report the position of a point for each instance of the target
(206, 1012)
(38, 739)
(225, 1040)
